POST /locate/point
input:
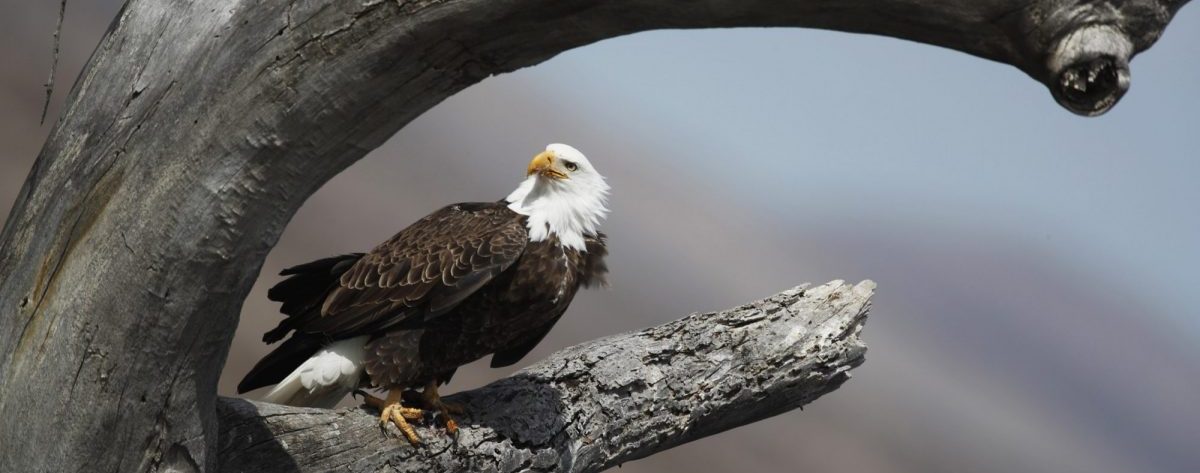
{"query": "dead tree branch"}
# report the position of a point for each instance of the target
(49, 85)
(198, 129)
(592, 406)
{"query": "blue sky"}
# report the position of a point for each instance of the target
(914, 136)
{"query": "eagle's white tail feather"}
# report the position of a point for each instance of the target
(325, 378)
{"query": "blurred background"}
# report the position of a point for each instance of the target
(1037, 307)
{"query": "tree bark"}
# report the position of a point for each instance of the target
(592, 406)
(198, 129)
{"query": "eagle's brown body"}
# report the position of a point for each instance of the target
(457, 285)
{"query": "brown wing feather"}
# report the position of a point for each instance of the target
(594, 271)
(423, 271)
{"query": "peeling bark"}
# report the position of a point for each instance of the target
(198, 129)
(592, 406)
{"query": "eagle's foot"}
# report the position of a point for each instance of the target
(399, 416)
(432, 401)
(394, 412)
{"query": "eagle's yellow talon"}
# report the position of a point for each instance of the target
(434, 402)
(411, 413)
(395, 413)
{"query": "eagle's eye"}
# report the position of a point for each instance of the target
(570, 166)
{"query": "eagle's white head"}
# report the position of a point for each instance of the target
(563, 195)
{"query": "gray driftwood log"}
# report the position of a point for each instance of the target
(198, 128)
(592, 406)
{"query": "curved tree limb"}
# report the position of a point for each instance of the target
(592, 406)
(198, 129)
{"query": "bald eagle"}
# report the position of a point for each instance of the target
(467, 281)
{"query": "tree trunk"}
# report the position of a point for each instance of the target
(198, 129)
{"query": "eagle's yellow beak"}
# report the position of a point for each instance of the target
(544, 164)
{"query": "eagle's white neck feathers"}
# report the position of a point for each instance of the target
(567, 208)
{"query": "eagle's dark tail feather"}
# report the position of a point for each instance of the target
(304, 291)
(301, 294)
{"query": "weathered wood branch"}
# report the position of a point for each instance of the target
(198, 128)
(592, 406)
